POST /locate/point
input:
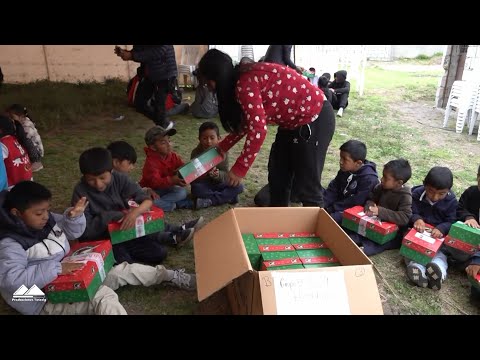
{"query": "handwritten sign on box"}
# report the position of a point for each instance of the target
(310, 293)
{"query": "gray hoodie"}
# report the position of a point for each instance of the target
(37, 265)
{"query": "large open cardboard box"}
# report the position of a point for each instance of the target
(221, 260)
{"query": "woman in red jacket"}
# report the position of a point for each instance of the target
(251, 95)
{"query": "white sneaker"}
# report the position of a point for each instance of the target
(340, 112)
(183, 280)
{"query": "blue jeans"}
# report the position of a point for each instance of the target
(440, 259)
(172, 198)
(219, 193)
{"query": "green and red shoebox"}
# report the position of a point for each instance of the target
(372, 228)
(82, 284)
(475, 281)
(318, 257)
(253, 252)
(150, 222)
(200, 165)
(278, 260)
(420, 247)
(463, 238)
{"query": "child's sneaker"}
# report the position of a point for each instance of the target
(202, 203)
(435, 276)
(37, 166)
(183, 237)
(340, 112)
(417, 275)
(195, 224)
(183, 280)
(234, 200)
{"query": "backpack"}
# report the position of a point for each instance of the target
(132, 90)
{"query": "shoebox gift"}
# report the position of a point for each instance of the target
(280, 260)
(475, 281)
(253, 252)
(463, 238)
(150, 222)
(200, 165)
(420, 247)
(318, 257)
(82, 284)
(222, 262)
(372, 228)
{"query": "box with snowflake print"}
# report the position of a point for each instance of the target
(463, 238)
(322, 257)
(253, 252)
(281, 258)
(150, 222)
(420, 247)
(372, 228)
(200, 165)
(97, 259)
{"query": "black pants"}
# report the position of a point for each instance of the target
(154, 109)
(295, 154)
(149, 249)
(340, 101)
(262, 198)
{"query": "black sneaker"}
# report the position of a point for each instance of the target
(194, 224)
(234, 201)
(183, 237)
(434, 275)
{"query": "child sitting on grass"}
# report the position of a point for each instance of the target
(211, 188)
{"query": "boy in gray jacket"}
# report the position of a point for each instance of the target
(33, 242)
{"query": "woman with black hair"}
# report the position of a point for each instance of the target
(252, 94)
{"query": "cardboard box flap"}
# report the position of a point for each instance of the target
(323, 291)
(220, 256)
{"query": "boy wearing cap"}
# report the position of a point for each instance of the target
(159, 170)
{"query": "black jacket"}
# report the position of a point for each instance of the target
(350, 189)
(157, 61)
(280, 54)
(342, 87)
(469, 204)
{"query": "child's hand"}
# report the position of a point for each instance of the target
(372, 210)
(473, 223)
(153, 194)
(437, 234)
(79, 207)
(214, 173)
(68, 268)
(176, 180)
(129, 219)
(472, 270)
(419, 225)
(233, 180)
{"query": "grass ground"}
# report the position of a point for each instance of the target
(395, 118)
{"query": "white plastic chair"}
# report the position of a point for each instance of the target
(453, 99)
(466, 105)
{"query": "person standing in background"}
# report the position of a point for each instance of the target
(157, 64)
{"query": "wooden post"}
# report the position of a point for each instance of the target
(44, 47)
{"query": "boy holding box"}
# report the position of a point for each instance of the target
(354, 181)
(108, 194)
(160, 170)
(432, 203)
(33, 241)
(212, 188)
(390, 201)
(468, 211)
